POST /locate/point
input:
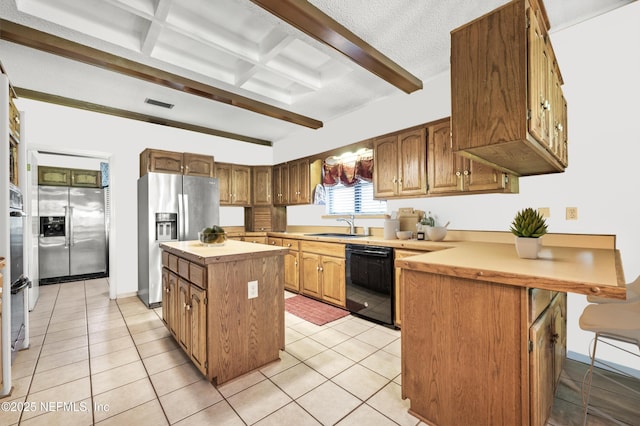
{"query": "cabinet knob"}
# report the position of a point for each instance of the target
(466, 173)
(559, 127)
(188, 307)
(458, 173)
(546, 105)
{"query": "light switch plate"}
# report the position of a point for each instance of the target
(253, 289)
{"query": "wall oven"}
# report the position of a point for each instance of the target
(370, 282)
(19, 282)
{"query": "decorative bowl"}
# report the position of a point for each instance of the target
(404, 235)
(436, 233)
(212, 239)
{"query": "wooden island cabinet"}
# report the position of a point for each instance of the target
(208, 308)
(482, 326)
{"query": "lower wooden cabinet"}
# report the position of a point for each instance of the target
(548, 344)
(322, 275)
(481, 339)
(400, 254)
(292, 266)
(184, 307)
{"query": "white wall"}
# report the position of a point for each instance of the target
(601, 68)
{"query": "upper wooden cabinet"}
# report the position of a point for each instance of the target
(507, 108)
(450, 173)
(280, 178)
(400, 164)
(294, 182)
(58, 176)
(262, 185)
(235, 184)
(159, 161)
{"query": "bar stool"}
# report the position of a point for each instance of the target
(613, 322)
(633, 294)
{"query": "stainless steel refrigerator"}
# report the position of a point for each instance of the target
(73, 239)
(170, 208)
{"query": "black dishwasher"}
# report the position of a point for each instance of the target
(369, 280)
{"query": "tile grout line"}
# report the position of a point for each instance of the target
(33, 373)
(155, 392)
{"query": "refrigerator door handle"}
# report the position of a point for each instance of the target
(67, 226)
(185, 217)
(71, 238)
(180, 218)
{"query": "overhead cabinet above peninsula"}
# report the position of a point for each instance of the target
(508, 109)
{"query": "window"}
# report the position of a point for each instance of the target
(356, 199)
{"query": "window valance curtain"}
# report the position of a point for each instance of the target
(348, 170)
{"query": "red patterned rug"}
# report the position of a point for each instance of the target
(313, 311)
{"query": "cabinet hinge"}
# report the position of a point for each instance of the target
(530, 346)
(206, 300)
(527, 22)
(528, 114)
(206, 365)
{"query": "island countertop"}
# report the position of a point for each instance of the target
(566, 269)
(230, 251)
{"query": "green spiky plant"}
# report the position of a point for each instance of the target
(528, 223)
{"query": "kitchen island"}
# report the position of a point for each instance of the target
(224, 304)
(484, 332)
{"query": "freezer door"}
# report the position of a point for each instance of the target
(87, 238)
(53, 252)
(157, 193)
(201, 205)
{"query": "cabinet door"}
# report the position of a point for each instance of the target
(54, 176)
(241, 185)
(299, 191)
(480, 177)
(198, 327)
(541, 371)
(292, 271)
(172, 314)
(333, 286)
(197, 165)
(164, 161)
(166, 298)
(310, 276)
(559, 334)
(539, 102)
(262, 183)
(281, 184)
(385, 159)
(85, 178)
(445, 167)
(183, 331)
(412, 168)
(223, 173)
(399, 254)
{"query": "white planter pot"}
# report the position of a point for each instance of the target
(527, 248)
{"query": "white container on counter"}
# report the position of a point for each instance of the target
(391, 226)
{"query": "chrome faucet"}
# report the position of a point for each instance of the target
(350, 221)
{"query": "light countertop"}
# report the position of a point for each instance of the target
(230, 251)
(569, 269)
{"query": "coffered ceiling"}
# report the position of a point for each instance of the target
(236, 68)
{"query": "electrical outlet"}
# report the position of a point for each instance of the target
(253, 289)
(545, 212)
(572, 213)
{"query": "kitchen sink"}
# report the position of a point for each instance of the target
(334, 235)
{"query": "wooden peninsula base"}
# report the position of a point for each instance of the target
(484, 332)
(207, 306)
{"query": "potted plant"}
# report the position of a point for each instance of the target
(528, 226)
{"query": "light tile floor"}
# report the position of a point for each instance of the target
(93, 360)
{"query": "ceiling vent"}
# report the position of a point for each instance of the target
(158, 103)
